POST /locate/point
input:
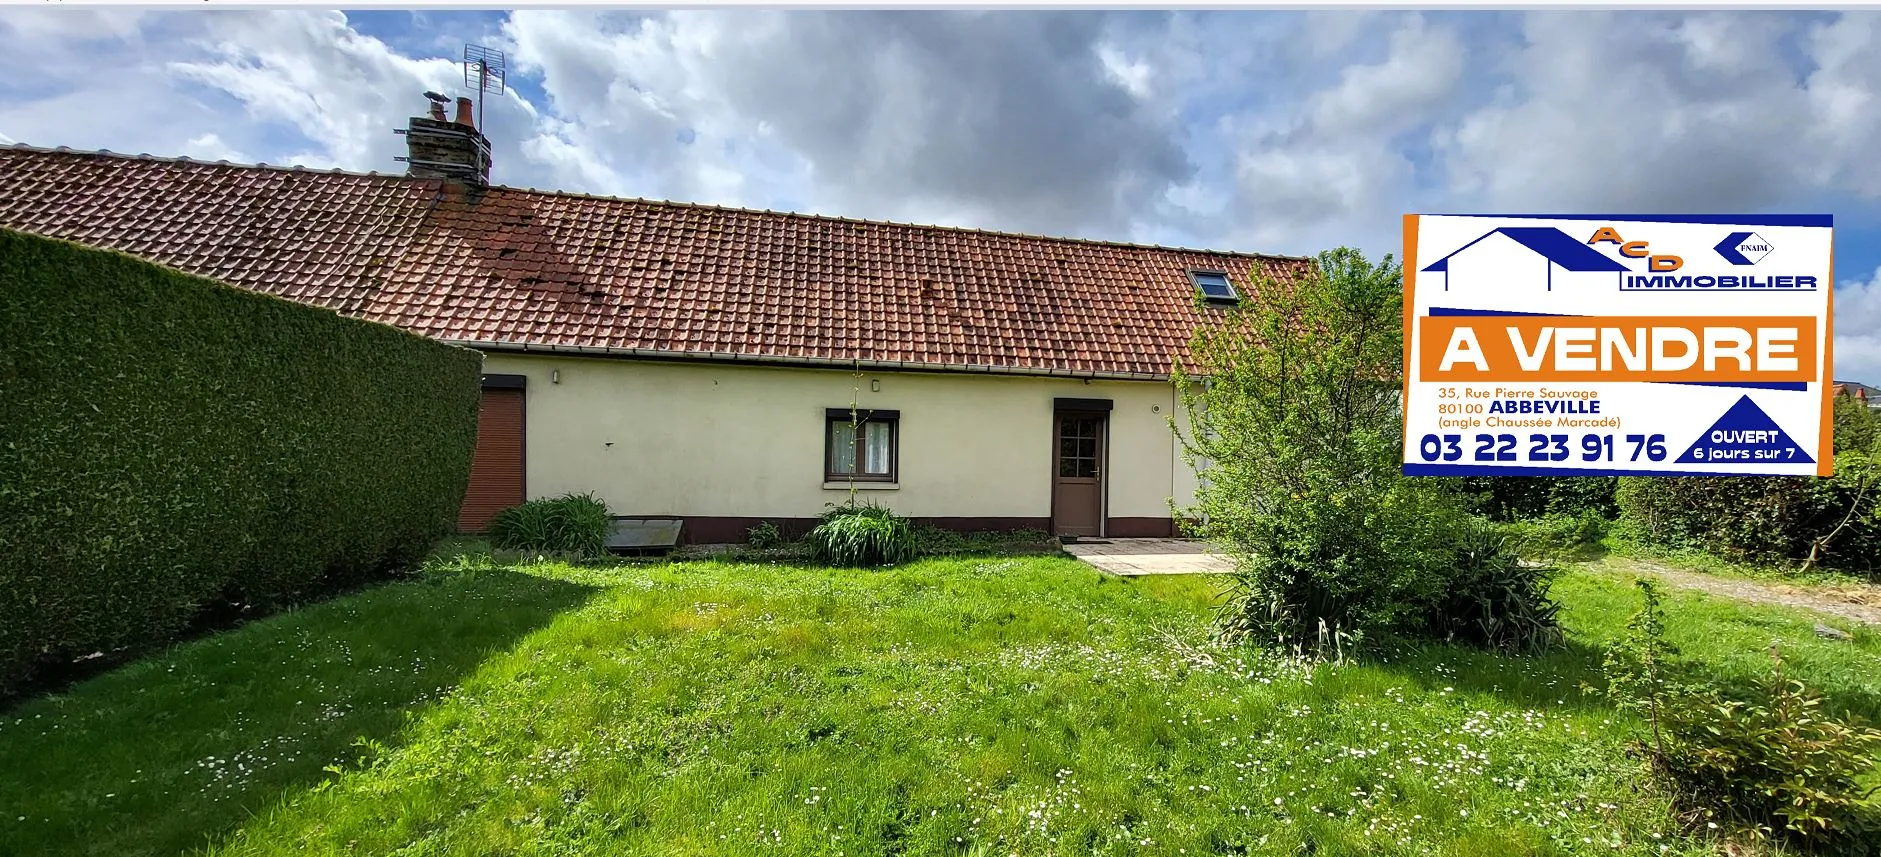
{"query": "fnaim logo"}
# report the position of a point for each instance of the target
(1743, 248)
(1736, 248)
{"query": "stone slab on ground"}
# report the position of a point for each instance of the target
(640, 533)
(1134, 557)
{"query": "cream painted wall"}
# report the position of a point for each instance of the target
(747, 441)
(1187, 480)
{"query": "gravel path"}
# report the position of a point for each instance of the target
(1857, 603)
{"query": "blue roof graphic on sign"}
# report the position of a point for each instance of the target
(1745, 435)
(1557, 246)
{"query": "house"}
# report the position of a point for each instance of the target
(704, 362)
(1537, 250)
(1870, 396)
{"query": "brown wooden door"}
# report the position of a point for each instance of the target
(1077, 474)
(496, 474)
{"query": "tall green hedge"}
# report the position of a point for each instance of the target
(1772, 519)
(1514, 498)
(171, 446)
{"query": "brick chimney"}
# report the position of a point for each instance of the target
(453, 150)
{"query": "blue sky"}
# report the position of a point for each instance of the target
(1267, 131)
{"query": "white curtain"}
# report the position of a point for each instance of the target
(877, 441)
(875, 450)
(842, 448)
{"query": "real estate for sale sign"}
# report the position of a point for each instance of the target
(1562, 345)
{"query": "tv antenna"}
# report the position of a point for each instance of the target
(483, 71)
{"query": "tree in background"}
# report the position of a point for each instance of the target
(1295, 416)
(1857, 429)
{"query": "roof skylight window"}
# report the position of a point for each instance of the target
(1215, 286)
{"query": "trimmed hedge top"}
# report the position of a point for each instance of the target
(170, 445)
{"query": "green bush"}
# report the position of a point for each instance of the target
(1833, 522)
(574, 524)
(1493, 599)
(1335, 573)
(1293, 405)
(858, 536)
(171, 446)
(1762, 520)
(1514, 498)
(764, 536)
(1767, 764)
(1556, 535)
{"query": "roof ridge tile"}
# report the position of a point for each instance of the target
(632, 276)
(705, 206)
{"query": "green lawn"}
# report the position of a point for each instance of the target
(975, 706)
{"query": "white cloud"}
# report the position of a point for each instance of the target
(1023, 121)
(1845, 117)
(1331, 172)
(1132, 74)
(1703, 112)
(311, 72)
(1858, 329)
(1266, 131)
(209, 147)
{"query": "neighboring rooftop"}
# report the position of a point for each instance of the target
(504, 267)
(1864, 392)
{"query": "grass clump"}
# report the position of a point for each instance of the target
(572, 524)
(862, 535)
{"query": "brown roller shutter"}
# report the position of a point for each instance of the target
(496, 475)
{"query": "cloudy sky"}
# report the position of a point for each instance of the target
(1267, 131)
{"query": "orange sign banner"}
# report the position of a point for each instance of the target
(1464, 348)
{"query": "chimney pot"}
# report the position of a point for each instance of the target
(440, 148)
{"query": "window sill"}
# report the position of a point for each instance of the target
(861, 486)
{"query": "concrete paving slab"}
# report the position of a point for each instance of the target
(1133, 557)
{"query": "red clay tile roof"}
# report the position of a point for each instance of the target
(508, 267)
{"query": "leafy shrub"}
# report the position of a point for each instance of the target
(1833, 522)
(1335, 574)
(764, 536)
(172, 446)
(1514, 498)
(1857, 427)
(1494, 600)
(856, 536)
(575, 524)
(1771, 764)
(1556, 535)
(1766, 520)
(1293, 404)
